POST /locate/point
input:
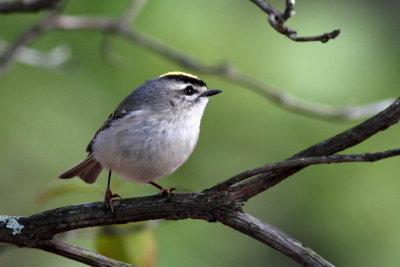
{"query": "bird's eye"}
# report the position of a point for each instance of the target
(189, 90)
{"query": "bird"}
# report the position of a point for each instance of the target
(150, 134)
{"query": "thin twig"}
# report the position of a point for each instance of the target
(278, 19)
(129, 17)
(300, 106)
(273, 237)
(254, 186)
(289, 10)
(307, 161)
(126, 20)
(13, 6)
(27, 37)
(224, 71)
(79, 254)
(119, 27)
(106, 51)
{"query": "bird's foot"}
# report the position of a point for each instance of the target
(108, 198)
(164, 190)
(167, 191)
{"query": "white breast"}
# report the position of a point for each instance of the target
(145, 147)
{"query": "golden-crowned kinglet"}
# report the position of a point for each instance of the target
(150, 134)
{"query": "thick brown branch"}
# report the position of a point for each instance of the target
(38, 230)
(45, 225)
(13, 6)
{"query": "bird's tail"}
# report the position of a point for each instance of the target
(88, 170)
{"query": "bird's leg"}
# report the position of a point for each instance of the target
(163, 190)
(109, 195)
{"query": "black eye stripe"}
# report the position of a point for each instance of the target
(189, 90)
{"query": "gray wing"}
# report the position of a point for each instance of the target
(116, 115)
(127, 105)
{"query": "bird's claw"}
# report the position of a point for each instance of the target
(167, 191)
(108, 198)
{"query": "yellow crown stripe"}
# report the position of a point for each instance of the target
(180, 73)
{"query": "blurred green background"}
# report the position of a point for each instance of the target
(348, 213)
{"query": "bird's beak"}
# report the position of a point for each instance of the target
(211, 92)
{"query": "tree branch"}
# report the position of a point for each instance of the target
(79, 254)
(308, 161)
(120, 27)
(274, 238)
(349, 138)
(225, 71)
(27, 37)
(278, 19)
(38, 230)
(27, 6)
